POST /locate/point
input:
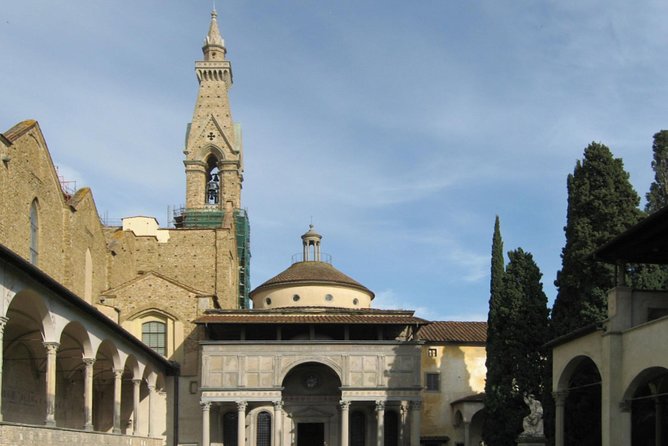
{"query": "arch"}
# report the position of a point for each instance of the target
(34, 232)
(28, 326)
(336, 368)
(581, 380)
(648, 398)
(206, 150)
(74, 346)
(569, 369)
(263, 428)
(107, 360)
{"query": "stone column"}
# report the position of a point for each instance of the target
(467, 433)
(136, 388)
(403, 421)
(416, 407)
(3, 322)
(380, 422)
(51, 351)
(559, 403)
(88, 393)
(151, 407)
(206, 421)
(345, 419)
(241, 423)
(118, 374)
(278, 423)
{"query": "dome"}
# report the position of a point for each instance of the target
(311, 283)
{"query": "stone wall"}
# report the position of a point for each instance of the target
(19, 435)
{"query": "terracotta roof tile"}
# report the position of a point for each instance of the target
(450, 331)
(310, 315)
(311, 272)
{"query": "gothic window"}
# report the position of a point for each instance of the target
(154, 334)
(230, 427)
(391, 428)
(34, 233)
(212, 181)
(357, 429)
(263, 429)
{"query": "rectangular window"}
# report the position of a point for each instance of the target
(154, 334)
(433, 382)
(432, 353)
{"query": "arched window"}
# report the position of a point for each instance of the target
(154, 334)
(212, 181)
(230, 427)
(263, 437)
(34, 233)
(357, 429)
(391, 428)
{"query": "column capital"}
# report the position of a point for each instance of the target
(205, 405)
(625, 405)
(118, 373)
(403, 408)
(278, 405)
(88, 362)
(344, 404)
(560, 397)
(380, 405)
(3, 322)
(416, 405)
(241, 406)
(137, 381)
(151, 388)
(51, 346)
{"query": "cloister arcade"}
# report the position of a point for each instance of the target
(64, 365)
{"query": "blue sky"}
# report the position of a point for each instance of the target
(399, 128)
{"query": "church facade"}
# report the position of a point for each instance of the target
(144, 335)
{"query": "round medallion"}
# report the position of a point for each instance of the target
(311, 381)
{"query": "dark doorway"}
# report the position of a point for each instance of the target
(310, 434)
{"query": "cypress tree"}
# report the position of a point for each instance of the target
(515, 357)
(601, 205)
(657, 197)
(647, 276)
(498, 371)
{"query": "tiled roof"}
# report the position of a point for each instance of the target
(310, 315)
(449, 331)
(312, 273)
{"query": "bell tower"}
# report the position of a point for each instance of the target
(213, 152)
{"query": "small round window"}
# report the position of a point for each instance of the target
(268, 300)
(356, 301)
(296, 297)
(329, 297)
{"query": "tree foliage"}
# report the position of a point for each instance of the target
(517, 330)
(601, 205)
(657, 197)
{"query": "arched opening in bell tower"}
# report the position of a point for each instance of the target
(212, 180)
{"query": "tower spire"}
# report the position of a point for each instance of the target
(213, 42)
